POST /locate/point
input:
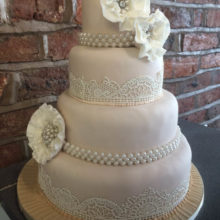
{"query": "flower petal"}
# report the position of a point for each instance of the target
(141, 36)
(127, 24)
(141, 6)
(151, 34)
(111, 10)
(44, 116)
(161, 27)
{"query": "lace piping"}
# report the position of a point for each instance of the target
(124, 159)
(149, 204)
(134, 91)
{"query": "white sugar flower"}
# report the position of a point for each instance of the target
(46, 133)
(118, 10)
(151, 34)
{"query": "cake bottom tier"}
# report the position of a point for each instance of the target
(91, 191)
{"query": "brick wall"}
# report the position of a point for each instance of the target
(35, 39)
(192, 63)
(37, 35)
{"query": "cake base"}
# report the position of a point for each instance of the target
(35, 205)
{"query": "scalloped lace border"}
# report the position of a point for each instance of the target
(134, 91)
(151, 203)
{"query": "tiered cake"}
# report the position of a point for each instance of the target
(124, 156)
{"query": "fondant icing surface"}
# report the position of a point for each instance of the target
(119, 129)
(118, 64)
(86, 181)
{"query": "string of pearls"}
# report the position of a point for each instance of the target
(124, 39)
(125, 159)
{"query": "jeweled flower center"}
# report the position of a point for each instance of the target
(49, 133)
(123, 4)
(148, 29)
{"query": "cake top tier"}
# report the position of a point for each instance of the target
(104, 20)
(102, 16)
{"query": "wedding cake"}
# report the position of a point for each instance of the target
(112, 149)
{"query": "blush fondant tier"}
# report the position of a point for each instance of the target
(118, 64)
(85, 190)
(114, 76)
(116, 129)
(94, 21)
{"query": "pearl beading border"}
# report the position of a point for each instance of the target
(124, 39)
(125, 159)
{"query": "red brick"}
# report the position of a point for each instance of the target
(181, 66)
(186, 104)
(3, 82)
(78, 17)
(168, 70)
(20, 48)
(213, 111)
(204, 80)
(192, 84)
(54, 11)
(193, 42)
(60, 43)
(216, 77)
(211, 60)
(43, 82)
(187, 85)
(196, 1)
(215, 124)
(208, 97)
(9, 93)
(23, 9)
(198, 17)
(11, 153)
(198, 82)
(171, 87)
(213, 18)
(196, 117)
(173, 43)
(50, 10)
(15, 123)
(178, 17)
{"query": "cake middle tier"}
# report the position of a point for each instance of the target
(118, 64)
(114, 76)
(114, 129)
